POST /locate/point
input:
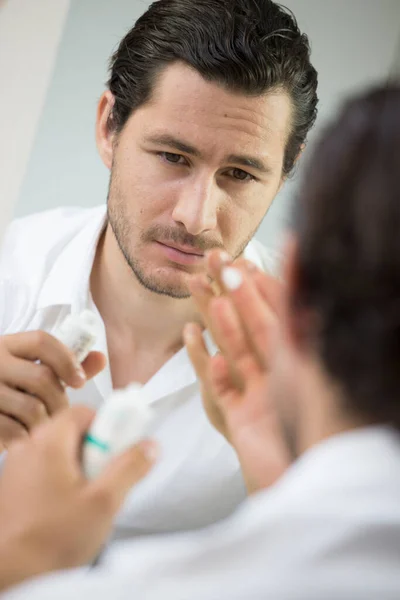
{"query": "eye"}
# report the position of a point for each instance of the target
(241, 175)
(173, 158)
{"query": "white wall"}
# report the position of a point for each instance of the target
(64, 168)
(353, 42)
(29, 36)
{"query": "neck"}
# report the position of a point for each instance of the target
(132, 311)
(324, 409)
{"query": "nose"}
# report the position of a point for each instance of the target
(197, 205)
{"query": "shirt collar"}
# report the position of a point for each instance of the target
(252, 255)
(68, 280)
(347, 459)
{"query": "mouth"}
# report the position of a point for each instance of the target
(183, 255)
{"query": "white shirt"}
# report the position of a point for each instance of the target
(44, 275)
(328, 530)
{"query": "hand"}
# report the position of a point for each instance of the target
(203, 289)
(31, 391)
(51, 517)
(234, 383)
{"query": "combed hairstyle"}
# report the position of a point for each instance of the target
(246, 46)
(347, 222)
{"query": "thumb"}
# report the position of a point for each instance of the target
(197, 350)
(94, 363)
(64, 434)
(70, 424)
(127, 469)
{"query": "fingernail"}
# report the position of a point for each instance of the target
(81, 373)
(150, 450)
(231, 278)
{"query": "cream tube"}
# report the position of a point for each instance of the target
(79, 333)
(122, 421)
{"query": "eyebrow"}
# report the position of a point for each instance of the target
(249, 161)
(174, 143)
(238, 159)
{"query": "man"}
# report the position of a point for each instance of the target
(323, 372)
(208, 107)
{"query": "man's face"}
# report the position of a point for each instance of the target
(195, 168)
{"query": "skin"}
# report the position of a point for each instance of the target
(33, 365)
(235, 382)
(264, 375)
(178, 177)
(67, 518)
(267, 390)
(199, 196)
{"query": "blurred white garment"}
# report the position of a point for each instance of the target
(45, 269)
(328, 530)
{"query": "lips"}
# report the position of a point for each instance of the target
(184, 249)
(181, 255)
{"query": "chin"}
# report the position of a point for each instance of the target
(172, 284)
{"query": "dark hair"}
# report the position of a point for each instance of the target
(248, 46)
(348, 227)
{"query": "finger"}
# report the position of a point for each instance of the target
(26, 409)
(43, 347)
(75, 422)
(254, 312)
(122, 473)
(202, 293)
(93, 364)
(232, 339)
(11, 431)
(216, 260)
(203, 296)
(81, 416)
(66, 432)
(270, 287)
(197, 350)
(223, 385)
(37, 380)
(201, 359)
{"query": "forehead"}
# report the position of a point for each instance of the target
(186, 105)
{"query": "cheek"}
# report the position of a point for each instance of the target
(143, 189)
(238, 219)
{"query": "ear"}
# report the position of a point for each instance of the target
(104, 132)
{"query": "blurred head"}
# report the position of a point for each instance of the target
(208, 107)
(342, 315)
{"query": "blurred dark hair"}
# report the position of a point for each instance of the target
(248, 46)
(348, 227)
